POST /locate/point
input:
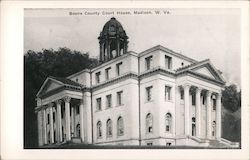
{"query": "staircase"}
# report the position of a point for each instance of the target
(223, 143)
(217, 144)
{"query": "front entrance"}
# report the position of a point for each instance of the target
(193, 127)
(78, 131)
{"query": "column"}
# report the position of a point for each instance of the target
(218, 116)
(108, 58)
(187, 110)
(118, 46)
(51, 123)
(72, 121)
(67, 117)
(59, 120)
(81, 120)
(209, 112)
(44, 127)
(40, 128)
(198, 112)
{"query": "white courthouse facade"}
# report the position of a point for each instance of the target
(156, 97)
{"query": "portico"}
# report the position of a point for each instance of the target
(195, 98)
(61, 115)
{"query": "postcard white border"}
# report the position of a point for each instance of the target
(12, 84)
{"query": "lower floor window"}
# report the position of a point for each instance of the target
(168, 144)
(149, 144)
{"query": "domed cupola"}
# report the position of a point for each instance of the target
(113, 40)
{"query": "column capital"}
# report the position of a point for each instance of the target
(50, 104)
(186, 86)
(67, 99)
(209, 92)
(218, 95)
(198, 89)
(59, 101)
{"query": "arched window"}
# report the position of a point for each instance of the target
(120, 126)
(99, 129)
(168, 120)
(213, 128)
(78, 130)
(109, 128)
(149, 123)
(193, 127)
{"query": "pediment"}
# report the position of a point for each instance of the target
(49, 85)
(207, 70)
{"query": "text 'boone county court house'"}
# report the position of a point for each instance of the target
(156, 97)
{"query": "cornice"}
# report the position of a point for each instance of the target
(116, 80)
(59, 89)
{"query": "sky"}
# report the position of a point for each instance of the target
(197, 33)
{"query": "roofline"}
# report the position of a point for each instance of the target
(77, 73)
(159, 47)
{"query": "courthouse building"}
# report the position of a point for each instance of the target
(156, 97)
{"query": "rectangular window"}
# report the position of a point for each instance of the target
(97, 77)
(203, 100)
(77, 110)
(47, 118)
(148, 61)
(149, 93)
(214, 104)
(182, 94)
(107, 76)
(149, 144)
(168, 62)
(98, 104)
(167, 93)
(119, 98)
(54, 116)
(108, 101)
(118, 69)
(193, 99)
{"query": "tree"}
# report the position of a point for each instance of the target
(37, 67)
(231, 98)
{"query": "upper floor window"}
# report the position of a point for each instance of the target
(47, 118)
(108, 101)
(97, 77)
(77, 109)
(54, 116)
(214, 104)
(203, 99)
(119, 98)
(149, 123)
(107, 70)
(168, 122)
(149, 93)
(118, 69)
(182, 94)
(109, 128)
(120, 126)
(168, 62)
(99, 129)
(193, 99)
(168, 93)
(98, 104)
(148, 61)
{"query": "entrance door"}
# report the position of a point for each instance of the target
(193, 127)
(78, 131)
